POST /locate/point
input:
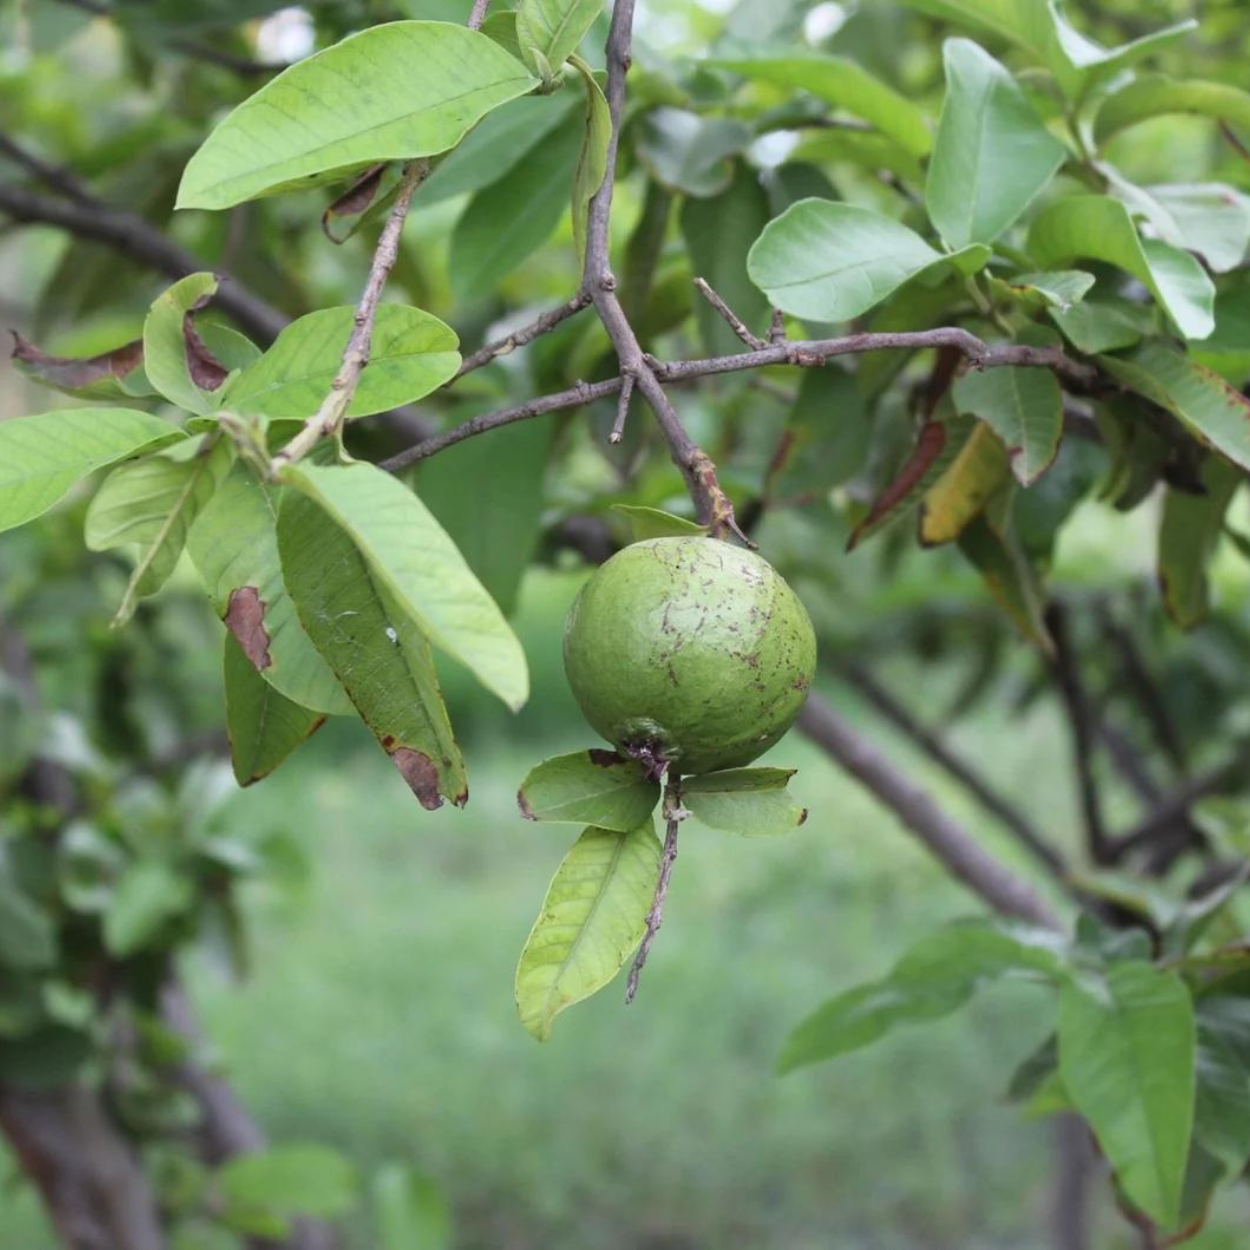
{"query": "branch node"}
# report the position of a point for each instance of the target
(731, 318)
(622, 406)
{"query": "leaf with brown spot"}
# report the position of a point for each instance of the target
(937, 445)
(245, 619)
(264, 727)
(205, 370)
(374, 647)
(596, 787)
(1214, 411)
(115, 374)
(366, 197)
(419, 772)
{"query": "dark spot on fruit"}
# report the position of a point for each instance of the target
(245, 619)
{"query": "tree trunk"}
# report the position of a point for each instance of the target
(91, 1184)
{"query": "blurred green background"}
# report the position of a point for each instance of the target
(378, 1017)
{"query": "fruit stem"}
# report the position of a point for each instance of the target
(674, 814)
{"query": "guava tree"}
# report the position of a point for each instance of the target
(867, 292)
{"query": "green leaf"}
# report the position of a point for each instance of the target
(1216, 412)
(1209, 218)
(410, 1212)
(514, 216)
(373, 641)
(933, 979)
(264, 727)
(169, 339)
(1024, 407)
(234, 545)
(1008, 577)
(27, 934)
(418, 565)
(992, 154)
(149, 505)
(1041, 29)
(1059, 288)
(826, 437)
(689, 153)
(148, 895)
(830, 261)
(49, 1057)
(844, 84)
(1102, 325)
(496, 145)
(1154, 95)
(290, 1180)
(412, 354)
(592, 157)
(496, 530)
(1126, 1057)
(392, 92)
(976, 475)
(1189, 533)
(1100, 228)
(595, 787)
(718, 232)
(550, 31)
(42, 456)
(1222, 1096)
(647, 523)
(594, 914)
(753, 802)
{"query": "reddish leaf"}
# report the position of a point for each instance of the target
(207, 372)
(71, 373)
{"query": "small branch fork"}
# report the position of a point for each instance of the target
(674, 814)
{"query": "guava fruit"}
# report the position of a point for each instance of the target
(689, 653)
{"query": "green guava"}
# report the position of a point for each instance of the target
(689, 652)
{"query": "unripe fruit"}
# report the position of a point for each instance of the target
(689, 652)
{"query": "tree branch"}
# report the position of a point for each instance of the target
(731, 318)
(1174, 806)
(520, 337)
(137, 238)
(933, 746)
(91, 1184)
(949, 841)
(711, 503)
(674, 814)
(808, 353)
(327, 421)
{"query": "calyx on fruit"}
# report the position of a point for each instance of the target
(689, 653)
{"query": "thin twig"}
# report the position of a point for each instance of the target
(478, 16)
(1172, 807)
(777, 327)
(935, 748)
(1081, 725)
(328, 419)
(622, 407)
(55, 177)
(525, 334)
(735, 323)
(949, 841)
(711, 503)
(575, 397)
(674, 814)
(802, 354)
